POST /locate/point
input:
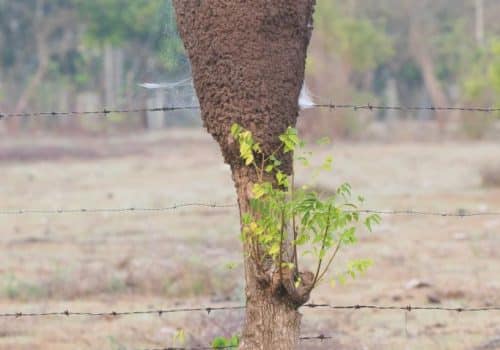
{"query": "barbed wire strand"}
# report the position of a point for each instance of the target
(459, 213)
(407, 308)
(113, 210)
(25, 211)
(106, 112)
(320, 337)
(210, 309)
(405, 108)
(159, 312)
(101, 112)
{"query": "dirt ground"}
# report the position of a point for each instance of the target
(190, 257)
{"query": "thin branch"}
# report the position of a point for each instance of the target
(280, 261)
(320, 261)
(327, 267)
(257, 172)
(295, 258)
(262, 165)
(273, 153)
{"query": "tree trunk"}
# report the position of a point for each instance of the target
(422, 56)
(479, 7)
(248, 61)
(45, 28)
(272, 320)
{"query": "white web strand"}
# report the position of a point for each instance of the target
(305, 99)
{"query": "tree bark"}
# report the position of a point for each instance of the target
(422, 56)
(479, 7)
(248, 61)
(46, 27)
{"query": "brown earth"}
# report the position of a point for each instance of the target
(189, 257)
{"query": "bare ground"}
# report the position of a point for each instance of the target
(189, 257)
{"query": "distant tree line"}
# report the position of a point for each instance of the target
(79, 54)
(409, 52)
(74, 54)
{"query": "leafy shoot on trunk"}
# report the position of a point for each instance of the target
(286, 223)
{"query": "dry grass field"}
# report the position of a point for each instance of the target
(192, 256)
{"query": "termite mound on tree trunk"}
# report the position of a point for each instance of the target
(248, 60)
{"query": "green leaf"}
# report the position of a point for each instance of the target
(246, 152)
(256, 148)
(180, 337)
(327, 164)
(349, 236)
(224, 343)
(236, 130)
(282, 179)
(341, 279)
(324, 141)
(276, 161)
(290, 139)
(302, 239)
(370, 220)
(359, 266)
(246, 218)
(304, 161)
(274, 250)
(230, 265)
(260, 190)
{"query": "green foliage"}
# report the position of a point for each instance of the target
(484, 72)
(482, 85)
(363, 44)
(452, 49)
(320, 225)
(180, 337)
(354, 269)
(139, 22)
(225, 343)
(15, 289)
(70, 36)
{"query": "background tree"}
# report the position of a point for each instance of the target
(349, 47)
(54, 53)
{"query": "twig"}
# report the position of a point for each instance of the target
(320, 261)
(337, 248)
(295, 255)
(281, 243)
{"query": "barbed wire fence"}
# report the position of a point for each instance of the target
(332, 106)
(461, 213)
(210, 309)
(115, 210)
